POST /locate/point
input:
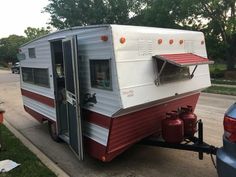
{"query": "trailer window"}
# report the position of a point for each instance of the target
(32, 52)
(172, 72)
(100, 74)
(36, 76)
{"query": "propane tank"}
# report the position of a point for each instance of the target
(172, 128)
(190, 121)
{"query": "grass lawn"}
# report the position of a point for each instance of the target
(14, 150)
(221, 90)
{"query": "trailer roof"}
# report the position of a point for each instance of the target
(143, 29)
(67, 29)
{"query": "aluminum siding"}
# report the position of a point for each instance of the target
(136, 69)
(90, 46)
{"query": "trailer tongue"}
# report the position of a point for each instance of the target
(195, 144)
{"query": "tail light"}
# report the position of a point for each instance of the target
(230, 128)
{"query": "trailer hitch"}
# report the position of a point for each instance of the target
(195, 144)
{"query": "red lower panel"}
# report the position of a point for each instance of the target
(99, 151)
(131, 128)
(94, 149)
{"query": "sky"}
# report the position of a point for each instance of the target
(17, 15)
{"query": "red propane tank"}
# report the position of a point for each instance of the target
(190, 121)
(172, 128)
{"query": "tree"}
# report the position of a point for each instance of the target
(69, 13)
(33, 33)
(9, 48)
(221, 24)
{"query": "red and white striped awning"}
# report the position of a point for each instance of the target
(184, 59)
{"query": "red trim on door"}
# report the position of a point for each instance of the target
(35, 114)
(40, 98)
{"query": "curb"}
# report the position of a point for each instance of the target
(43, 158)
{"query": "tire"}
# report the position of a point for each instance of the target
(52, 128)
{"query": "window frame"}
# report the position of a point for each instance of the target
(33, 82)
(110, 74)
(34, 52)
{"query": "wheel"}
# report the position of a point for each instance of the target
(52, 128)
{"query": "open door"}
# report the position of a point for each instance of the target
(69, 46)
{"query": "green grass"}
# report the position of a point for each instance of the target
(223, 81)
(14, 150)
(221, 90)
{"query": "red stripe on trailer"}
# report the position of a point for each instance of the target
(97, 119)
(40, 98)
(35, 114)
(129, 129)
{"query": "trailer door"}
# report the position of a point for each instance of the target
(69, 46)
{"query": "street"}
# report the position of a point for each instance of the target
(139, 160)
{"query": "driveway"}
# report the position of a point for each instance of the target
(139, 160)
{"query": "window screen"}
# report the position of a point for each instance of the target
(172, 72)
(41, 77)
(100, 73)
(32, 53)
(27, 75)
(36, 76)
(68, 66)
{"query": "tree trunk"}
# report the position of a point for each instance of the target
(230, 60)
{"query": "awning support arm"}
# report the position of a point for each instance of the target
(157, 81)
(192, 75)
(162, 68)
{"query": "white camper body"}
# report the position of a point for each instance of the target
(115, 72)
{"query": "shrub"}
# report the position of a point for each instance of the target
(217, 73)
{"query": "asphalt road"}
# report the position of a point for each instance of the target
(139, 160)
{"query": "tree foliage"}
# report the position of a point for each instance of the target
(33, 33)
(217, 19)
(68, 13)
(9, 48)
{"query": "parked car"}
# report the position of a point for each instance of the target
(226, 155)
(16, 68)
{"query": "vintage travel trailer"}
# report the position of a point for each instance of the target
(103, 88)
